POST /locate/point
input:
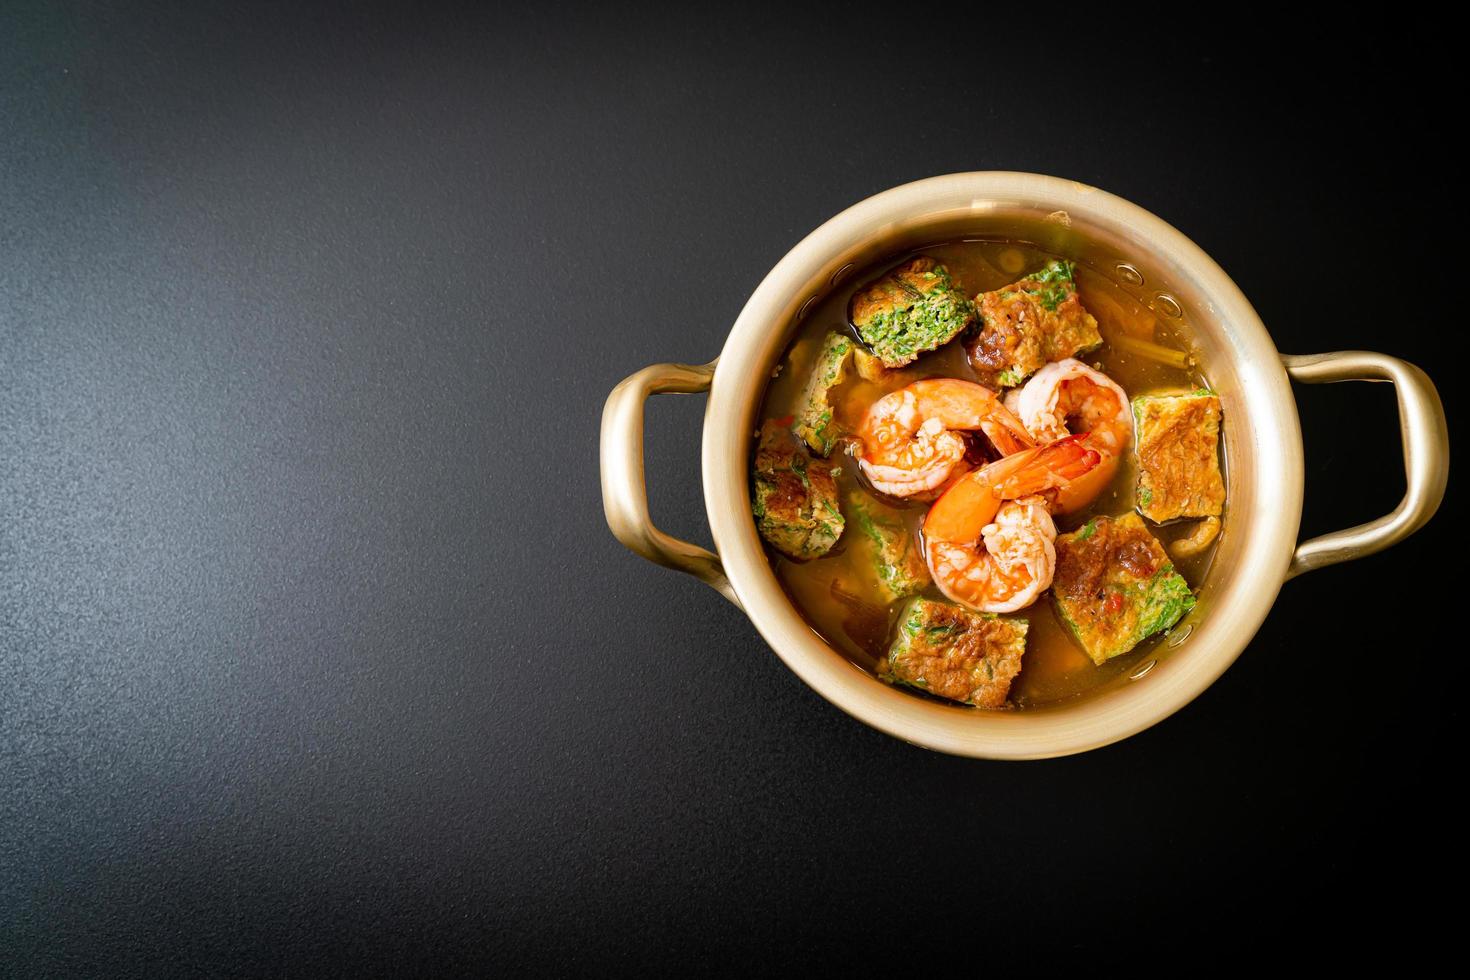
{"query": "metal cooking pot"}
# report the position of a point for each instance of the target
(1262, 441)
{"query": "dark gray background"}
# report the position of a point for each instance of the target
(317, 655)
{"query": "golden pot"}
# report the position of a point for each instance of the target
(1262, 443)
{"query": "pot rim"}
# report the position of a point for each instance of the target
(1242, 599)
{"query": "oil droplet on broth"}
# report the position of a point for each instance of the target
(1168, 305)
(1129, 274)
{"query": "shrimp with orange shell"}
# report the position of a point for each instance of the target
(1068, 398)
(912, 442)
(989, 538)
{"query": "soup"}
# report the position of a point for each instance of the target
(829, 573)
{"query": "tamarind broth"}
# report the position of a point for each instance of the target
(838, 595)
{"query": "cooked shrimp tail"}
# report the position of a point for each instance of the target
(1070, 396)
(973, 500)
(1044, 468)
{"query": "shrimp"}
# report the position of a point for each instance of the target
(911, 442)
(1067, 397)
(989, 539)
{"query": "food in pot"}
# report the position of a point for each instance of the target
(869, 367)
(989, 538)
(795, 497)
(1115, 586)
(1178, 455)
(1204, 534)
(814, 419)
(913, 309)
(1029, 322)
(1065, 397)
(911, 438)
(956, 654)
(896, 560)
(964, 500)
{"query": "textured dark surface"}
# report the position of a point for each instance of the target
(315, 653)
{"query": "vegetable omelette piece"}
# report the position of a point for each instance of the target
(1028, 323)
(814, 420)
(911, 310)
(955, 653)
(897, 563)
(1178, 455)
(794, 497)
(1115, 586)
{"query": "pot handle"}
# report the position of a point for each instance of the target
(624, 491)
(1426, 453)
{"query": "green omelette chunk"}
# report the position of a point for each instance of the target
(913, 309)
(886, 540)
(955, 653)
(794, 497)
(814, 420)
(1028, 323)
(1115, 586)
